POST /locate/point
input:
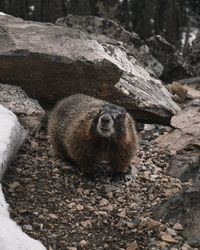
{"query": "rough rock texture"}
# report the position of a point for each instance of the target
(183, 145)
(15, 99)
(106, 31)
(51, 62)
(98, 25)
(184, 207)
(11, 235)
(194, 56)
(174, 66)
(11, 137)
(187, 127)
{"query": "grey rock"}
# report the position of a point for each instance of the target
(106, 31)
(102, 26)
(174, 66)
(183, 206)
(51, 62)
(15, 99)
(12, 135)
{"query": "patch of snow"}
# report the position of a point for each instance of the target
(32, 7)
(1, 13)
(11, 235)
(11, 136)
(192, 36)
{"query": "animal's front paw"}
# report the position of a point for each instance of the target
(89, 176)
(120, 176)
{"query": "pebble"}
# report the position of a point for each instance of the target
(103, 213)
(28, 227)
(108, 208)
(168, 238)
(83, 243)
(171, 231)
(14, 185)
(86, 224)
(53, 216)
(178, 227)
(103, 202)
(80, 207)
(186, 247)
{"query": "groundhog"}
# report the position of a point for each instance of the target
(86, 130)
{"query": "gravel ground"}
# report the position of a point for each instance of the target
(53, 202)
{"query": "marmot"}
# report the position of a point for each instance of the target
(87, 130)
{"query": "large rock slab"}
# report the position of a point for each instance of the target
(11, 235)
(51, 62)
(106, 31)
(11, 136)
(186, 132)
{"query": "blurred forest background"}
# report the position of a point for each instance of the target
(175, 20)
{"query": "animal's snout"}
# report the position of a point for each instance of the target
(105, 119)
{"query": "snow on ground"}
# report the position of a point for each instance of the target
(192, 35)
(1, 13)
(11, 235)
(11, 136)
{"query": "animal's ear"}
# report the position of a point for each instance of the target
(123, 112)
(96, 118)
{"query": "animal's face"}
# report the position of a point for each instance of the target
(111, 121)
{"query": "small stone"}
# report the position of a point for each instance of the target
(168, 238)
(28, 227)
(186, 247)
(103, 213)
(103, 202)
(149, 223)
(53, 216)
(171, 231)
(163, 245)
(83, 243)
(178, 227)
(145, 175)
(71, 248)
(80, 207)
(14, 185)
(86, 224)
(108, 208)
(132, 246)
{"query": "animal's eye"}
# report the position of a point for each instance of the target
(119, 116)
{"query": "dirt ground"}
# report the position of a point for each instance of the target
(54, 203)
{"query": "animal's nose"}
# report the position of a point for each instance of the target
(105, 119)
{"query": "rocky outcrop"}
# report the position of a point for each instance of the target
(174, 66)
(51, 62)
(11, 136)
(182, 143)
(184, 207)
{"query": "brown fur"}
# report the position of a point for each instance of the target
(74, 136)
